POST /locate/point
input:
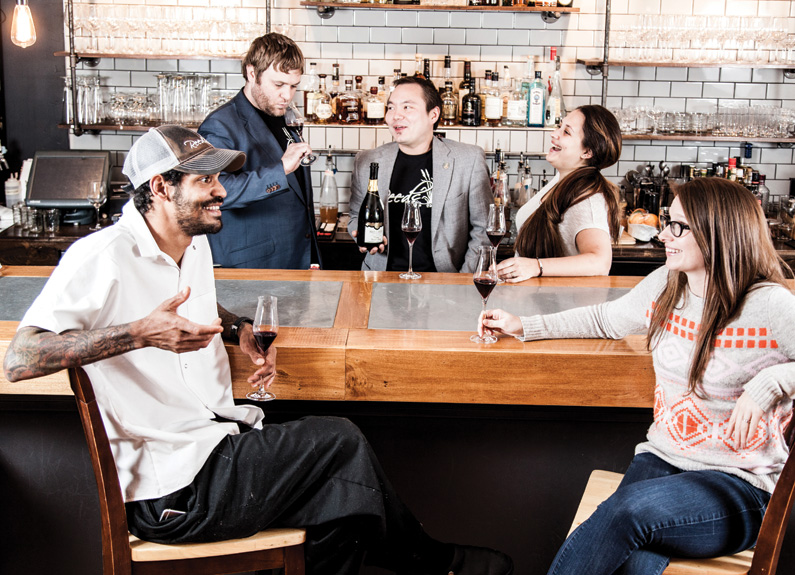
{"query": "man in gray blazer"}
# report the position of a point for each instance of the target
(448, 179)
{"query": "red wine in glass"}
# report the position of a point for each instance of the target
(485, 286)
(485, 279)
(411, 235)
(495, 237)
(264, 340)
(266, 327)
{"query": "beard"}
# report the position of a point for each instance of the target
(189, 215)
(264, 102)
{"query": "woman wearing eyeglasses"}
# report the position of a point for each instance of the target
(719, 320)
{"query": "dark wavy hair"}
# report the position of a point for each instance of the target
(429, 93)
(142, 195)
(732, 234)
(276, 49)
(540, 236)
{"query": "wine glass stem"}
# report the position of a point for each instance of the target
(411, 255)
(96, 209)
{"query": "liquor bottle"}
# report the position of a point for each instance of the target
(556, 109)
(544, 180)
(335, 91)
(470, 107)
(731, 173)
(447, 75)
(505, 88)
(349, 106)
(311, 84)
(323, 110)
(463, 87)
(426, 69)
(382, 91)
(499, 180)
(536, 102)
(375, 110)
(516, 109)
(328, 193)
(485, 87)
(418, 66)
(764, 192)
(370, 233)
(361, 94)
(449, 105)
(395, 78)
(493, 103)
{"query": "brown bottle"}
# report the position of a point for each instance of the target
(349, 106)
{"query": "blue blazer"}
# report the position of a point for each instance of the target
(269, 221)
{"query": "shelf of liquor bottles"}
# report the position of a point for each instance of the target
(450, 7)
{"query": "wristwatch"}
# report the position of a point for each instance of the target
(234, 331)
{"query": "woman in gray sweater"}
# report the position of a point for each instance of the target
(719, 319)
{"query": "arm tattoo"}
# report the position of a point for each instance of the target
(35, 352)
(227, 319)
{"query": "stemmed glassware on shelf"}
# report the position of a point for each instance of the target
(485, 278)
(97, 195)
(266, 328)
(295, 119)
(411, 224)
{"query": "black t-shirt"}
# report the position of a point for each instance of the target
(412, 179)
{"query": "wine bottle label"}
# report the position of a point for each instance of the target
(323, 111)
(493, 107)
(517, 110)
(373, 233)
(376, 110)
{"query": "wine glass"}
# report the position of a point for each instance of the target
(485, 278)
(295, 119)
(97, 195)
(266, 327)
(495, 230)
(411, 224)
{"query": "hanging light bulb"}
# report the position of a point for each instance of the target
(23, 32)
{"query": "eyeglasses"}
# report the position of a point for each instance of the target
(677, 228)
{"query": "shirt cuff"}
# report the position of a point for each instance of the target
(533, 328)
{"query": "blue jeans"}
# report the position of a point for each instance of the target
(658, 512)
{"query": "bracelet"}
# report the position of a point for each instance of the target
(540, 268)
(234, 331)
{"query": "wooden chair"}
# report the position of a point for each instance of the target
(125, 554)
(761, 560)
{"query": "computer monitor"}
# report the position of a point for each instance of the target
(61, 179)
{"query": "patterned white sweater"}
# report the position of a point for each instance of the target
(755, 352)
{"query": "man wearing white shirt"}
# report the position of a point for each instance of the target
(135, 306)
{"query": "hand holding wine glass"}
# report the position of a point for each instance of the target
(295, 119)
(411, 226)
(485, 278)
(97, 195)
(266, 327)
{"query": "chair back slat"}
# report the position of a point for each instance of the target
(774, 525)
(116, 554)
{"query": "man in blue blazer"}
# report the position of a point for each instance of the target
(268, 214)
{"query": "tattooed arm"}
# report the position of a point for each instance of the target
(35, 352)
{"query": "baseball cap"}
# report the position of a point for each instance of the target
(173, 147)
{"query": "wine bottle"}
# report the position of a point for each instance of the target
(370, 233)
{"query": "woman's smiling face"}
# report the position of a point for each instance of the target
(682, 253)
(567, 152)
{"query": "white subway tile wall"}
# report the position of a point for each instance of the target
(373, 42)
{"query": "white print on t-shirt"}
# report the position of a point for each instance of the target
(422, 193)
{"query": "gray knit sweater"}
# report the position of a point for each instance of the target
(755, 352)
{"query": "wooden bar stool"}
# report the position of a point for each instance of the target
(761, 560)
(125, 554)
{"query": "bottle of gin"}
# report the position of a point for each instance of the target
(536, 102)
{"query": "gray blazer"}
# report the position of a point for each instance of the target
(461, 198)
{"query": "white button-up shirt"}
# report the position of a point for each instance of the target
(157, 405)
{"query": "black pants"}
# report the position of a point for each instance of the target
(318, 473)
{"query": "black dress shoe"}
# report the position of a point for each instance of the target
(470, 560)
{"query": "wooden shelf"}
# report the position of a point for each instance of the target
(91, 55)
(636, 63)
(357, 5)
(704, 138)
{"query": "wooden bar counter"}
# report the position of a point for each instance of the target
(351, 361)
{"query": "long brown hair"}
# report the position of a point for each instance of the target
(540, 236)
(732, 234)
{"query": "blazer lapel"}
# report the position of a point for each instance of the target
(443, 165)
